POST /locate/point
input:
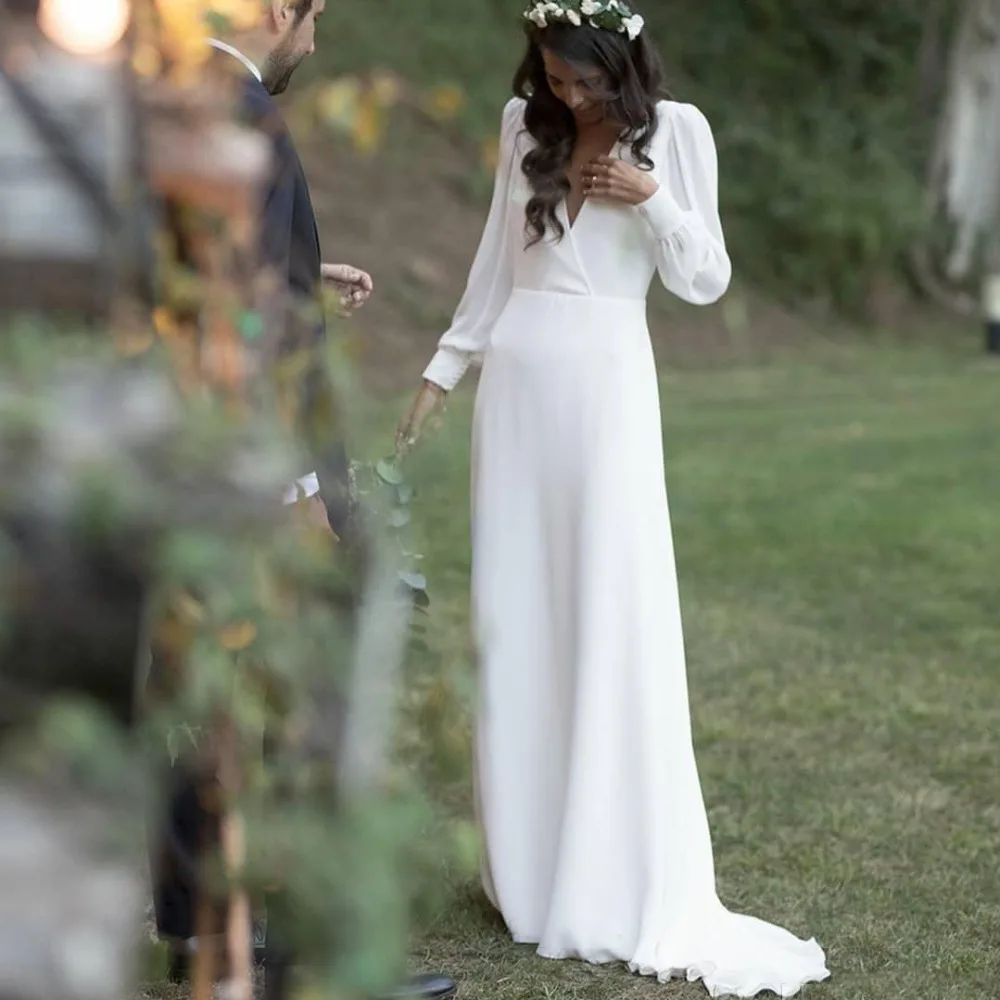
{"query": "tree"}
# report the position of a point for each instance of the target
(963, 189)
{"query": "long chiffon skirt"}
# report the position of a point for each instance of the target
(597, 841)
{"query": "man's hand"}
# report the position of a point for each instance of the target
(354, 285)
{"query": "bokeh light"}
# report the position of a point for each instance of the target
(84, 28)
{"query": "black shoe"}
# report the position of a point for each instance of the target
(427, 987)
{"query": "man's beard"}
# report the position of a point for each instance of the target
(279, 67)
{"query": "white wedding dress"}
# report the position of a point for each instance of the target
(597, 841)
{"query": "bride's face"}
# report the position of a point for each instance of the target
(578, 87)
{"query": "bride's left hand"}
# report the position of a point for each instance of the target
(615, 180)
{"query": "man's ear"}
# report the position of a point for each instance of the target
(279, 14)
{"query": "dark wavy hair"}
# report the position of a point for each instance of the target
(634, 85)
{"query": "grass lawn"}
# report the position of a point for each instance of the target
(837, 525)
(838, 538)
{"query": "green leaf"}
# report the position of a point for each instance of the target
(418, 644)
(252, 325)
(415, 581)
(400, 517)
(389, 472)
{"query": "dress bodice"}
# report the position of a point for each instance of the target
(612, 250)
(608, 251)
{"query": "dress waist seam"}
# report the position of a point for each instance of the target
(581, 296)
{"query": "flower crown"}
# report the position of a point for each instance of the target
(610, 15)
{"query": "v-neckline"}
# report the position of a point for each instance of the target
(572, 221)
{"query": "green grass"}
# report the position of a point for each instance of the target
(837, 524)
(837, 527)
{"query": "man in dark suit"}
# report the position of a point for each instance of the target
(289, 239)
(290, 252)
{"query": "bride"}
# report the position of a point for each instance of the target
(597, 841)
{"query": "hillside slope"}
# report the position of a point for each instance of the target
(814, 107)
(415, 226)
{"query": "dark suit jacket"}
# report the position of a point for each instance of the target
(289, 237)
(289, 243)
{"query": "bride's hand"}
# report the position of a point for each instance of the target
(616, 180)
(427, 400)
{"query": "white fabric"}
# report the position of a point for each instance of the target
(307, 486)
(236, 54)
(597, 841)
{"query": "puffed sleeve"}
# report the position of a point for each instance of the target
(684, 213)
(492, 275)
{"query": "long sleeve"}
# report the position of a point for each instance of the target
(491, 277)
(691, 252)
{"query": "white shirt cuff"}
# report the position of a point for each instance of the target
(662, 213)
(307, 486)
(447, 368)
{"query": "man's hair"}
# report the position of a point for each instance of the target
(302, 7)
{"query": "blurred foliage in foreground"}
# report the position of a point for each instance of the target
(258, 627)
(143, 456)
(815, 107)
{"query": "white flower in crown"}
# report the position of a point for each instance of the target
(573, 17)
(537, 15)
(590, 7)
(633, 25)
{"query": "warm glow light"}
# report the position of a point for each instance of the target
(84, 27)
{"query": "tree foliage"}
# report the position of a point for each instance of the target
(815, 109)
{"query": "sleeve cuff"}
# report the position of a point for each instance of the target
(307, 486)
(447, 368)
(662, 213)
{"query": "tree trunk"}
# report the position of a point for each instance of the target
(965, 177)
